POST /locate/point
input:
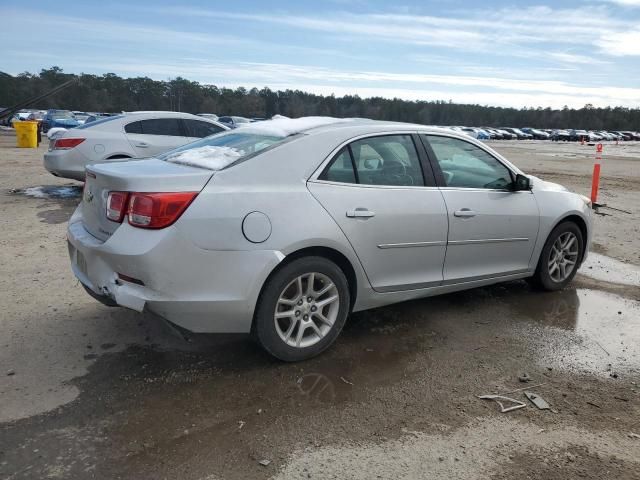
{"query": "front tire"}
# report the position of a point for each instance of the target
(560, 257)
(302, 309)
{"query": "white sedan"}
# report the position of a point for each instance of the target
(131, 135)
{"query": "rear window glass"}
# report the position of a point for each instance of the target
(220, 151)
(98, 122)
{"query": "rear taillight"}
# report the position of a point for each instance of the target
(157, 210)
(117, 206)
(148, 210)
(67, 143)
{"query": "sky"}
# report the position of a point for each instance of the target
(492, 52)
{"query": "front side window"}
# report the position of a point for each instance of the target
(465, 165)
(390, 160)
(196, 128)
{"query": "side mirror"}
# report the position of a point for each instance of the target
(522, 183)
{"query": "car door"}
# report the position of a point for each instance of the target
(155, 135)
(390, 211)
(492, 229)
(196, 129)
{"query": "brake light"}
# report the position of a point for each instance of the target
(117, 206)
(67, 143)
(157, 210)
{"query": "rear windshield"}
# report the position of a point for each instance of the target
(219, 151)
(61, 114)
(98, 122)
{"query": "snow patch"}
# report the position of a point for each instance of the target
(55, 132)
(213, 158)
(281, 126)
(52, 192)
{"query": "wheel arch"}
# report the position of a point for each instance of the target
(582, 225)
(317, 251)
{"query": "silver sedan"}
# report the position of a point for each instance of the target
(283, 228)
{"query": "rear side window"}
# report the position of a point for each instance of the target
(134, 127)
(390, 160)
(196, 128)
(156, 126)
(340, 169)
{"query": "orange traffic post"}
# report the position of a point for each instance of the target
(595, 182)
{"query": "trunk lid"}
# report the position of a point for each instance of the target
(146, 175)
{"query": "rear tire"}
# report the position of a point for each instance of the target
(560, 257)
(302, 309)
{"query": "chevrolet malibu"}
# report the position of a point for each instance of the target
(283, 228)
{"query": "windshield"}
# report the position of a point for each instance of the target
(219, 151)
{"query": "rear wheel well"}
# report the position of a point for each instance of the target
(330, 254)
(582, 225)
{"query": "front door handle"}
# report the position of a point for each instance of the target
(142, 144)
(464, 213)
(360, 213)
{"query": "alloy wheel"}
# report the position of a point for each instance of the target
(563, 257)
(306, 310)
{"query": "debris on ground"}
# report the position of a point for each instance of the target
(524, 378)
(240, 424)
(537, 400)
(594, 404)
(497, 398)
(634, 435)
(264, 462)
(346, 381)
(11, 372)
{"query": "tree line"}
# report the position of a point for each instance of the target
(112, 93)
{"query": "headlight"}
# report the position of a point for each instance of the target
(586, 200)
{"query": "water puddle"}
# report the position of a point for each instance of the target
(585, 330)
(607, 269)
(56, 192)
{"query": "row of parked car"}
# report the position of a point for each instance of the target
(510, 133)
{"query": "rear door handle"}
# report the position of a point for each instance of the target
(464, 213)
(142, 144)
(360, 213)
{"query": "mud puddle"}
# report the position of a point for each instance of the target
(585, 331)
(607, 269)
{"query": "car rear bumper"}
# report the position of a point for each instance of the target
(66, 163)
(199, 290)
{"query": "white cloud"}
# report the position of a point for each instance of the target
(626, 3)
(621, 44)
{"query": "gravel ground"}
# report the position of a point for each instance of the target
(93, 392)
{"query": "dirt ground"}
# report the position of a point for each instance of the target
(92, 392)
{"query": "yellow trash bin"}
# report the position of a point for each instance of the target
(26, 134)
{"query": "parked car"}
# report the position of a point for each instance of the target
(520, 135)
(58, 119)
(578, 135)
(475, 132)
(268, 229)
(561, 135)
(132, 135)
(210, 116)
(233, 122)
(537, 134)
